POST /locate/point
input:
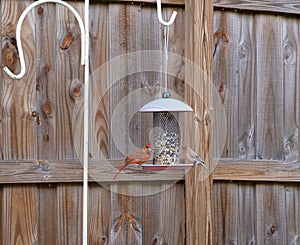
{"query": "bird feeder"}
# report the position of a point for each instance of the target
(166, 133)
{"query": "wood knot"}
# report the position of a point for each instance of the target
(76, 90)
(289, 53)
(34, 114)
(67, 41)
(159, 240)
(47, 109)
(103, 240)
(40, 10)
(273, 229)
(47, 68)
(221, 88)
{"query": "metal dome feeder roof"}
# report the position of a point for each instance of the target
(166, 104)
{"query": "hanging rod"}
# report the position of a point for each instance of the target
(19, 41)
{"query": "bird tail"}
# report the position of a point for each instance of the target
(202, 164)
(121, 168)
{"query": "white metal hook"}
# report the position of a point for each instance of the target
(159, 14)
(18, 35)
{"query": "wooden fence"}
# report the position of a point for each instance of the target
(255, 190)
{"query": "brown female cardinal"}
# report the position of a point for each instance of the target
(139, 157)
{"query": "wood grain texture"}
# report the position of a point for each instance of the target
(20, 220)
(99, 128)
(99, 214)
(247, 228)
(198, 49)
(69, 75)
(46, 82)
(291, 82)
(247, 88)
(165, 209)
(271, 209)
(47, 222)
(292, 213)
(71, 171)
(226, 206)
(18, 97)
(69, 214)
(284, 6)
(226, 38)
(169, 2)
(270, 93)
(257, 170)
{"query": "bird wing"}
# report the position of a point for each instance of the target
(194, 156)
(137, 157)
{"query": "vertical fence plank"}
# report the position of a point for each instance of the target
(290, 80)
(247, 88)
(46, 55)
(226, 207)
(162, 210)
(292, 213)
(126, 214)
(246, 214)
(270, 84)
(198, 49)
(47, 228)
(69, 214)
(20, 221)
(69, 75)
(271, 214)
(18, 100)
(226, 38)
(99, 126)
(99, 215)
(18, 96)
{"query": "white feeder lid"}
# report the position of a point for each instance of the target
(166, 104)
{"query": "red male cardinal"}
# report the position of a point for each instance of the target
(139, 157)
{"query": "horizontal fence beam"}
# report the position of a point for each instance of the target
(257, 170)
(72, 171)
(277, 6)
(167, 2)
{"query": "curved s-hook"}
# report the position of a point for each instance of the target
(159, 14)
(18, 35)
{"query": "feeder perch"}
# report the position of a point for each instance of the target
(166, 133)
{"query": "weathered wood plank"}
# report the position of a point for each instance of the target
(270, 93)
(99, 214)
(282, 6)
(226, 206)
(71, 171)
(20, 221)
(69, 214)
(169, 2)
(246, 213)
(69, 75)
(46, 82)
(291, 81)
(18, 97)
(247, 88)
(226, 38)
(260, 170)
(292, 213)
(99, 102)
(166, 209)
(126, 214)
(47, 223)
(198, 49)
(270, 214)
